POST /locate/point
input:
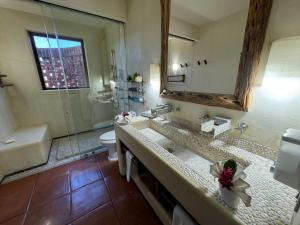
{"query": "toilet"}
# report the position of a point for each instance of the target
(108, 140)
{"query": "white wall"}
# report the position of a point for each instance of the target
(30, 104)
(142, 36)
(7, 122)
(183, 29)
(114, 9)
(268, 118)
(220, 43)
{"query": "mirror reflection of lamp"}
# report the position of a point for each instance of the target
(155, 77)
(281, 89)
(175, 67)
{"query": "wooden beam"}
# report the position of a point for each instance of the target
(255, 33)
(211, 99)
(165, 24)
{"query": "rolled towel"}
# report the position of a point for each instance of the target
(181, 217)
(129, 158)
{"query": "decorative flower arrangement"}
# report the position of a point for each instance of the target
(232, 186)
(135, 78)
(226, 176)
(123, 118)
(124, 114)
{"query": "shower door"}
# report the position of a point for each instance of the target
(88, 59)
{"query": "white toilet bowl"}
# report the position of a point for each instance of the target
(108, 140)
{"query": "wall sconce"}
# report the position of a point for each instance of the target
(155, 77)
(281, 89)
(175, 67)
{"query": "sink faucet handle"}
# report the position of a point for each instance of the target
(242, 127)
(163, 105)
(204, 117)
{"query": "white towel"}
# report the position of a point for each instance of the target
(129, 157)
(181, 217)
(296, 218)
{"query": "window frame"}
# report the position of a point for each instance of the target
(38, 64)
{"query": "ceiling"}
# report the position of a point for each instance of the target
(59, 13)
(19, 5)
(201, 12)
(196, 12)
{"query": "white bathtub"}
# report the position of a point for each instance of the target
(31, 148)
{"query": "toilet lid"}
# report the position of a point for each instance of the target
(108, 136)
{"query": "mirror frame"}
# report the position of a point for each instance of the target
(254, 37)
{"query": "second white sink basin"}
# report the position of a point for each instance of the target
(195, 161)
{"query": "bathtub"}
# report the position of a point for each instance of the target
(30, 148)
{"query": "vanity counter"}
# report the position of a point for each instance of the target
(191, 183)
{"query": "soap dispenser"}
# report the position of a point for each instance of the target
(287, 166)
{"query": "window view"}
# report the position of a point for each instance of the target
(50, 67)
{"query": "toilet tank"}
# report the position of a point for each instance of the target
(287, 167)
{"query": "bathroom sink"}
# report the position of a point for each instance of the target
(179, 155)
(189, 157)
(186, 142)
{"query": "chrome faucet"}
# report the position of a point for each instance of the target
(204, 117)
(161, 109)
(242, 127)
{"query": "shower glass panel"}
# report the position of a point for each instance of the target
(52, 76)
(88, 64)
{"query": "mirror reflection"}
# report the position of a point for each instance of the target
(281, 79)
(205, 44)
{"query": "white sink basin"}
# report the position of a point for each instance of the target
(189, 157)
(186, 143)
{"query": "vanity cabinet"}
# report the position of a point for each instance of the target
(161, 200)
(162, 195)
(164, 183)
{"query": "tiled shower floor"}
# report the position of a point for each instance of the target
(85, 192)
(61, 151)
(77, 144)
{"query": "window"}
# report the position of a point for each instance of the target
(54, 57)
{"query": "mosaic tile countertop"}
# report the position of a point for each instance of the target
(272, 202)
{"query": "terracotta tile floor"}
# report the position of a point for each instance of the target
(84, 192)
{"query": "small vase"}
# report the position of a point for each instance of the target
(138, 79)
(230, 198)
(122, 120)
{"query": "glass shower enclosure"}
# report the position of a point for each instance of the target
(81, 58)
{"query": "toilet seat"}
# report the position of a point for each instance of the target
(108, 139)
(109, 142)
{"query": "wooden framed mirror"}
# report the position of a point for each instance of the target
(256, 23)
